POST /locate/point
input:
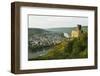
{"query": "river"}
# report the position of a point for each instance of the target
(40, 52)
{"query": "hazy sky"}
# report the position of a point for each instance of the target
(39, 21)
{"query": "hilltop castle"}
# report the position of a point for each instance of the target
(77, 32)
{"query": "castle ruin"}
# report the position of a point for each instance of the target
(77, 32)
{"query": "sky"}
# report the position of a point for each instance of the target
(45, 22)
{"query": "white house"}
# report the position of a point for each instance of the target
(66, 35)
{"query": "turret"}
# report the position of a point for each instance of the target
(79, 27)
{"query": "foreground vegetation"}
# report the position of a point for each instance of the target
(68, 49)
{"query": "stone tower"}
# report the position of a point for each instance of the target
(76, 33)
(79, 27)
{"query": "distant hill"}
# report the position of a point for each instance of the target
(32, 31)
(66, 30)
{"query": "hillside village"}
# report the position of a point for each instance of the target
(46, 39)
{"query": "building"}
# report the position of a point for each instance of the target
(66, 35)
(77, 32)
